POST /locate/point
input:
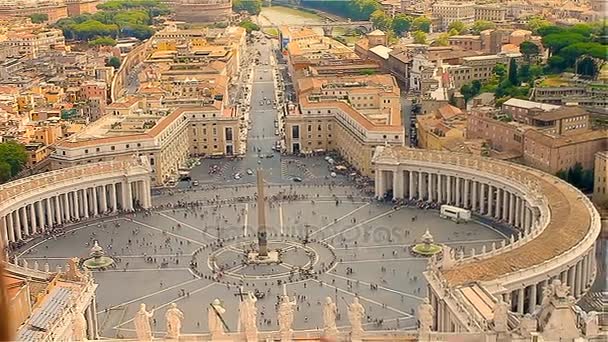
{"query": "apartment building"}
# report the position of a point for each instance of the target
(600, 181)
(350, 114)
(54, 9)
(34, 42)
(441, 129)
(479, 68)
(561, 120)
(491, 12)
(451, 11)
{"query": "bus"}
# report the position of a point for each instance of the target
(455, 214)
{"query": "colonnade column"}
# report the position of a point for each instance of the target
(76, 204)
(376, 176)
(411, 185)
(85, 201)
(10, 228)
(40, 210)
(420, 186)
(4, 231)
(458, 197)
(95, 206)
(449, 189)
(104, 199)
(490, 200)
(532, 302)
(113, 200)
(498, 205)
(66, 207)
(58, 216)
(128, 195)
(439, 189)
(429, 189)
(474, 196)
(520, 300)
(511, 208)
(505, 205)
(482, 201)
(17, 224)
(49, 213)
(33, 223)
(466, 193)
(25, 225)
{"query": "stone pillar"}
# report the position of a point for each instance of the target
(113, 200)
(430, 186)
(466, 193)
(475, 188)
(58, 216)
(76, 204)
(420, 186)
(128, 196)
(24, 223)
(584, 273)
(520, 300)
(33, 218)
(10, 227)
(505, 205)
(411, 186)
(498, 203)
(381, 184)
(579, 279)
(66, 207)
(18, 224)
(511, 208)
(448, 185)
(458, 196)
(490, 200)
(517, 206)
(40, 216)
(376, 181)
(4, 230)
(49, 213)
(482, 200)
(85, 201)
(397, 188)
(103, 199)
(571, 273)
(94, 198)
(533, 298)
(439, 189)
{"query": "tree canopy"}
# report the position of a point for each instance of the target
(458, 26)
(249, 26)
(12, 160)
(102, 41)
(422, 24)
(114, 62)
(529, 50)
(381, 20)
(253, 7)
(401, 23)
(38, 18)
(419, 37)
(482, 25)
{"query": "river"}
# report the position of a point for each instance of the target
(279, 15)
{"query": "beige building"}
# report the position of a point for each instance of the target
(441, 130)
(600, 182)
(166, 138)
(491, 12)
(478, 68)
(33, 43)
(351, 115)
(451, 11)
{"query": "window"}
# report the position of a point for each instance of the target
(97, 149)
(86, 151)
(112, 148)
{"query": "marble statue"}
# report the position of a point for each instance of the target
(500, 315)
(356, 312)
(142, 323)
(285, 317)
(214, 314)
(248, 317)
(425, 316)
(79, 327)
(174, 318)
(329, 317)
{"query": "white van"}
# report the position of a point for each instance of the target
(455, 214)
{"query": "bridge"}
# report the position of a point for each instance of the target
(328, 26)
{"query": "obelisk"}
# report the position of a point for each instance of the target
(261, 203)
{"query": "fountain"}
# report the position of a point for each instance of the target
(97, 259)
(428, 247)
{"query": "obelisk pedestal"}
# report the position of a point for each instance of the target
(262, 255)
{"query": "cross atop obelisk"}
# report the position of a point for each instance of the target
(261, 203)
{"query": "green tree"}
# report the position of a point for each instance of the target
(114, 62)
(452, 32)
(482, 25)
(422, 24)
(253, 7)
(249, 26)
(138, 31)
(102, 41)
(470, 90)
(577, 176)
(536, 23)
(457, 25)
(38, 18)
(12, 160)
(419, 37)
(557, 41)
(401, 23)
(586, 66)
(380, 20)
(442, 40)
(529, 50)
(513, 72)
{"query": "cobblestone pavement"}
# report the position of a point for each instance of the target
(350, 232)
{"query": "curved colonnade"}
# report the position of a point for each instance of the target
(556, 226)
(33, 205)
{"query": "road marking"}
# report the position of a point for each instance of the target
(361, 224)
(188, 225)
(246, 219)
(339, 219)
(281, 218)
(366, 299)
(147, 296)
(379, 286)
(492, 228)
(143, 270)
(166, 232)
(166, 304)
(353, 247)
(469, 241)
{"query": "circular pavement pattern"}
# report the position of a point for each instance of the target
(333, 241)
